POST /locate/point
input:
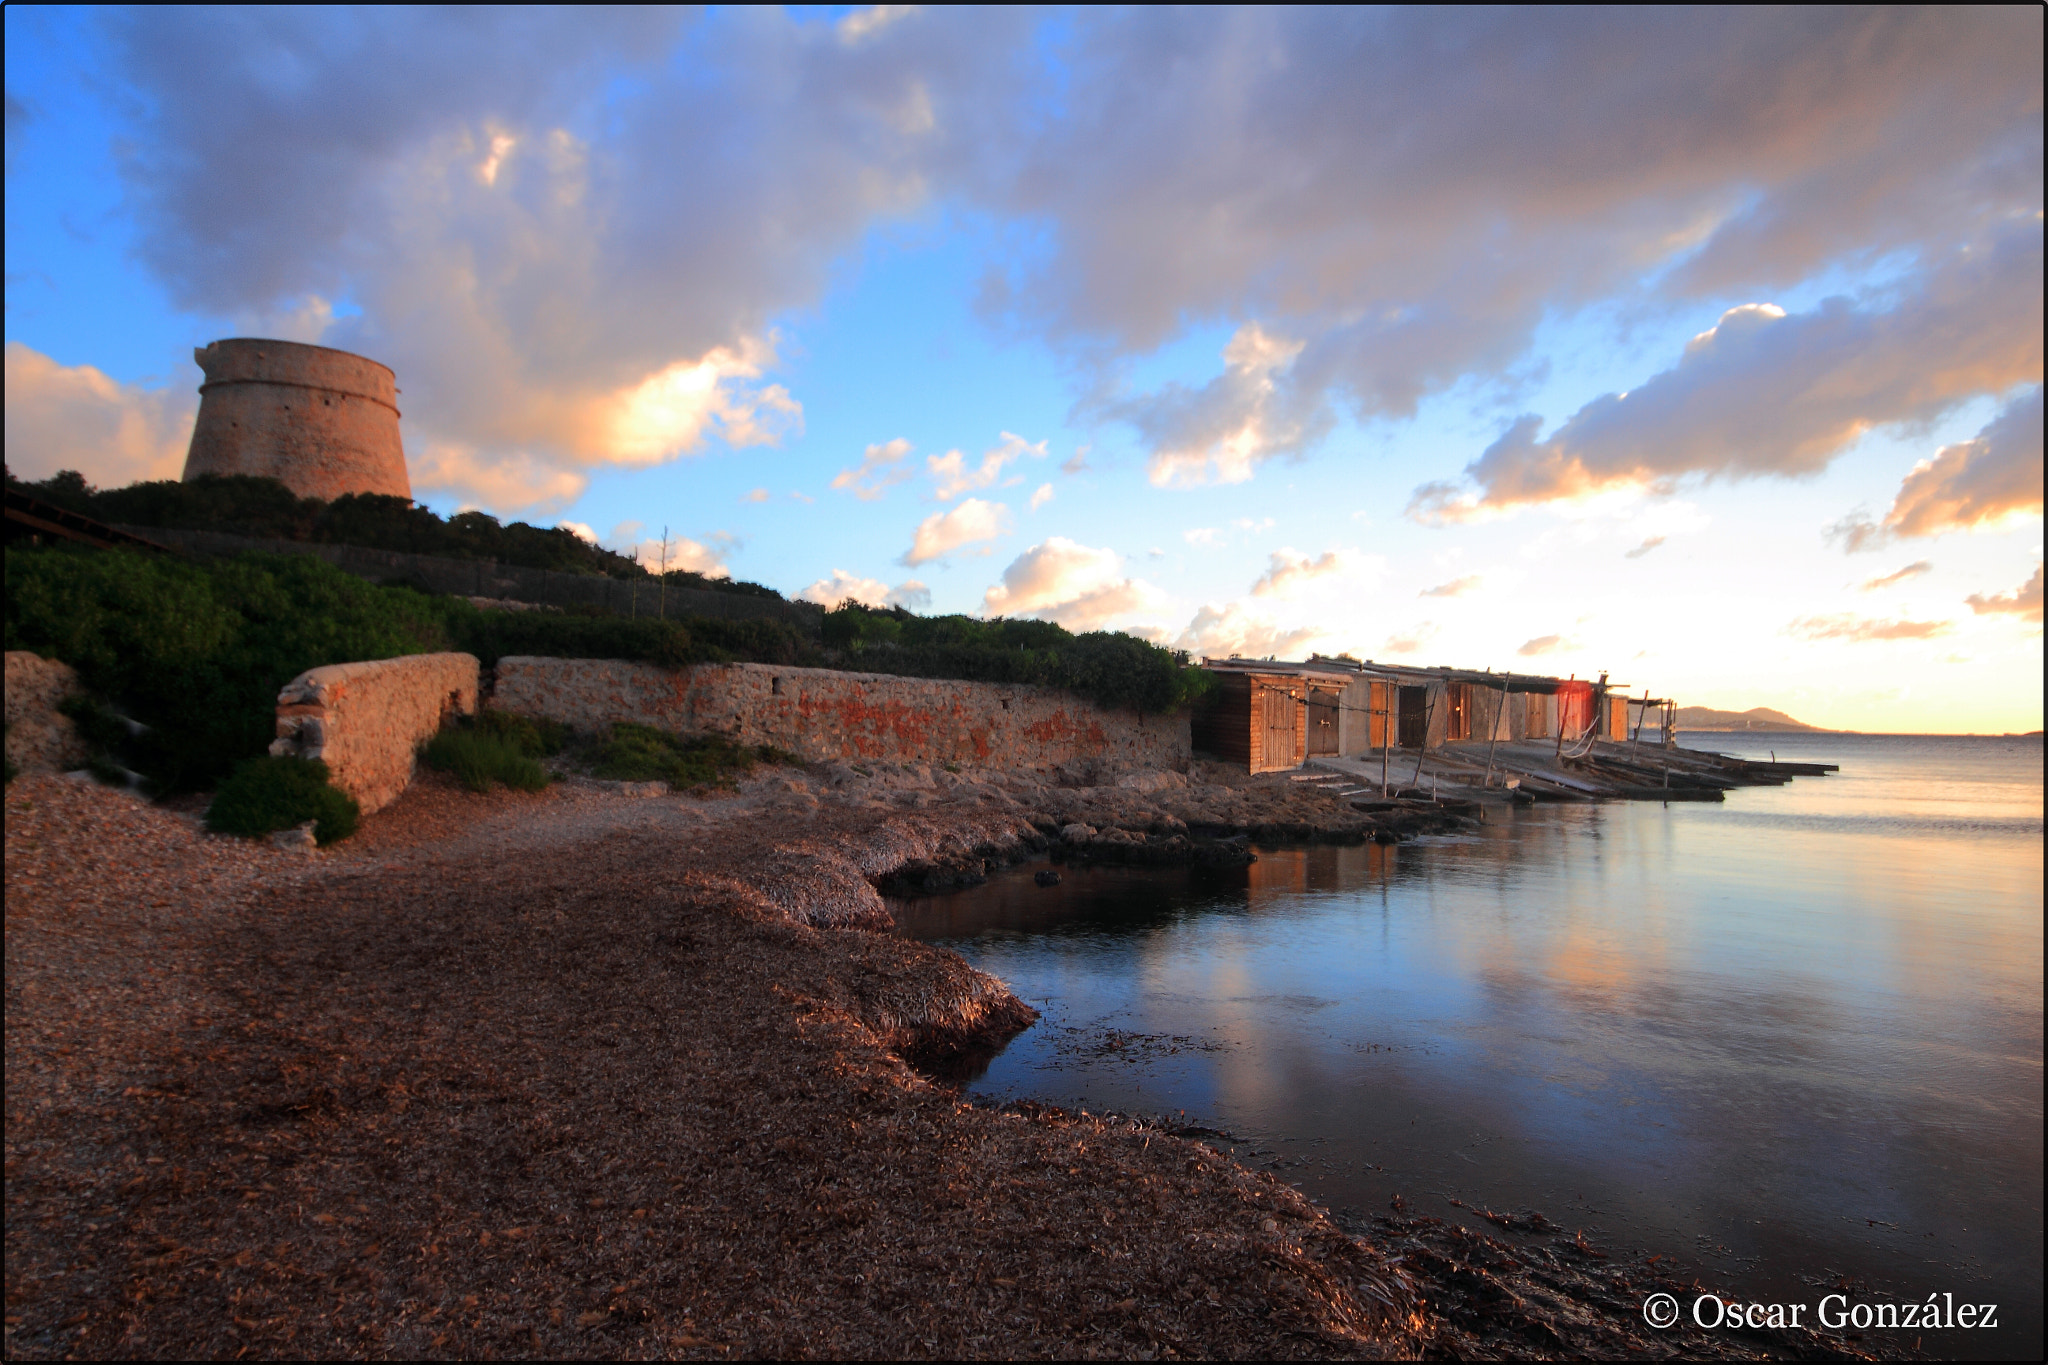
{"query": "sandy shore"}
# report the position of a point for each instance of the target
(573, 1074)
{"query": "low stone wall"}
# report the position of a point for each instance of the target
(822, 714)
(40, 738)
(367, 720)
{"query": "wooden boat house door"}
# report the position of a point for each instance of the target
(1322, 722)
(1414, 717)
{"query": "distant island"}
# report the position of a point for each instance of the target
(1756, 718)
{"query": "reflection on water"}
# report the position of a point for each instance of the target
(1794, 1036)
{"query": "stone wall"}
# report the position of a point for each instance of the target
(824, 714)
(39, 737)
(367, 720)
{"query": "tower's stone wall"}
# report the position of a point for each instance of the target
(322, 422)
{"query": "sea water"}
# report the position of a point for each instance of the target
(1791, 1038)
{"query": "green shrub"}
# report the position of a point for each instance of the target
(197, 650)
(641, 753)
(264, 794)
(1107, 667)
(477, 759)
(530, 735)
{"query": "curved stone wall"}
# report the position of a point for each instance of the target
(321, 421)
(367, 720)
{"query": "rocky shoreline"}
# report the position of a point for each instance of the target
(570, 1074)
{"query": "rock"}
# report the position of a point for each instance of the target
(39, 737)
(1077, 833)
(637, 790)
(1148, 782)
(296, 840)
(1046, 877)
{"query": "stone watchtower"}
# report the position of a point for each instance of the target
(320, 421)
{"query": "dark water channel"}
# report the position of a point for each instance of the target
(1789, 1039)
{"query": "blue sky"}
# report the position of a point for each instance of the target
(1254, 331)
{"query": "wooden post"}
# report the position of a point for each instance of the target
(1499, 715)
(1558, 755)
(1428, 714)
(663, 599)
(1386, 737)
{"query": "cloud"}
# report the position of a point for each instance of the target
(1219, 632)
(1043, 496)
(1457, 587)
(942, 533)
(951, 477)
(1913, 570)
(869, 592)
(1077, 462)
(1648, 545)
(1206, 537)
(1080, 588)
(76, 417)
(1545, 644)
(513, 480)
(705, 557)
(758, 495)
(1288, 570)
(1222, 431)
(1994, 475)
(565, 233)
(880, 467)
(578, 529)
(1211, 166)
(1412, 640)
(1846, 627)
(543, 213)
(2023, 602)
(1764, 392)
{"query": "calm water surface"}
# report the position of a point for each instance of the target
(1789, 1038)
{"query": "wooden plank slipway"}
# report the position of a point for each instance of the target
(1523, 770)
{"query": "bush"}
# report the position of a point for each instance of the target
(1107, 667)
(197, 650)
(641, 753)
(267, 793)
(530, 735)
(477, 759)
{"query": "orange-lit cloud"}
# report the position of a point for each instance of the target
(1913, 570)
(1767, 393)
(1222, 431)
(944, 533)
(1219, 632)
(1079, 587)
(1846, 627)
(1412, 640)
(2023, 602)
(869, 592)
(75, 417)
(1288, 571)
(1457, 587)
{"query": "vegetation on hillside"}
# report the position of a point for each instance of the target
(266, 509)
(186, 656)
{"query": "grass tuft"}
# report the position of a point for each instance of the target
(641, 753)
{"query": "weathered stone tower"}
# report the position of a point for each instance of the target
(322, 422)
